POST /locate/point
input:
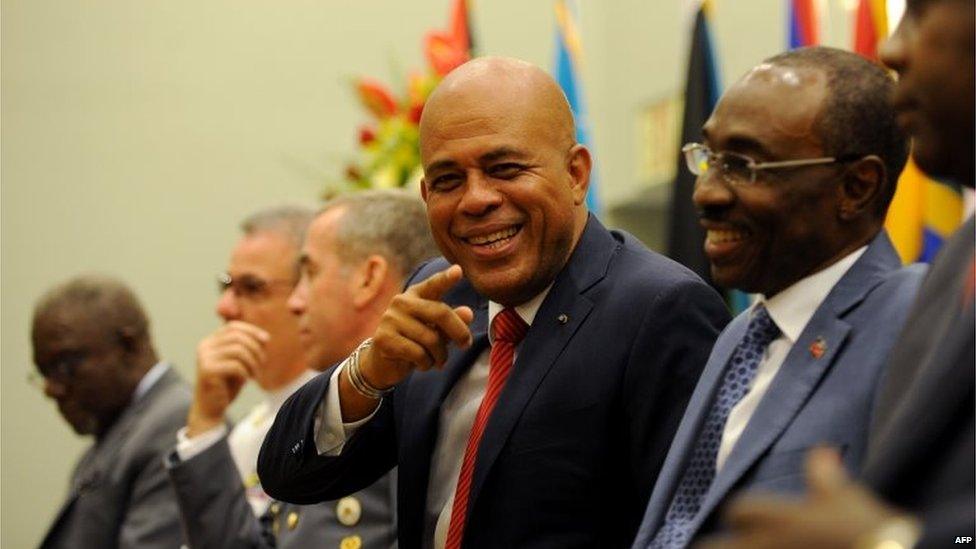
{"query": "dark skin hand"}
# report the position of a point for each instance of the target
(835, 513)
(412, 335)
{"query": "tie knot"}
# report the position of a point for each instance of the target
(762, 329)
(508, 326)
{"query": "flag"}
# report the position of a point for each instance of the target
(924, 211)
(804, 30)
(686, 238)
(567, 73)
(870, 27)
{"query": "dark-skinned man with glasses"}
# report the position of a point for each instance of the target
(795, 174)
(917, 486)
(95, 358)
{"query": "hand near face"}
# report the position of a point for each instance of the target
(415, 331)
(226, 359)
(835, 513)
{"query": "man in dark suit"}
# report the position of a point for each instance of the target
(794, 180)
(559, 449)
(918, 479)
(94, 353)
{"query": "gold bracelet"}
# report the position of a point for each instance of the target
(900, 532)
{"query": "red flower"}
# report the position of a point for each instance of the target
(366, 135)
(375, 97)
(444, 51)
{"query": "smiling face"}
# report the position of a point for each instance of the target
(764, 236)
(933, 52)
(504, 181)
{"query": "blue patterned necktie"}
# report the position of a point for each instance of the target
(700, 471)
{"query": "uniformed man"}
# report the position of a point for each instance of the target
(353, 259)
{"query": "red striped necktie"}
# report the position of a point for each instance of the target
(508, 330)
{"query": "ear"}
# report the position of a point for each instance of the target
(579, 165)
(865, 181)
(128, 340)
(369, 280)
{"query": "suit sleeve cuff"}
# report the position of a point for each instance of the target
(187, 448)
(331, 433)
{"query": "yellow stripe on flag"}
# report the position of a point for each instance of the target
(905, 215)
(943, 208)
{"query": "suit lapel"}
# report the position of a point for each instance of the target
(794, 383)
(425, 395)
(689, 429)
(545, 341)
(803, 368)
(97, 460)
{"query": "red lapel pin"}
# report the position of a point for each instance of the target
(818, 347)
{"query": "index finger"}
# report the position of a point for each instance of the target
(761, 508)
(249, 329)
(434, 287)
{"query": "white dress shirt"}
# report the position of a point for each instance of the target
(245, 440)
(791, 310)
(456, 420)
(149, 379)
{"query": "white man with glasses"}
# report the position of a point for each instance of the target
(258, 341)
(797, 169)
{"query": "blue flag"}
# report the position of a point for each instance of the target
(567, 74)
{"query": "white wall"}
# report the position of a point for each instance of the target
(135, 135)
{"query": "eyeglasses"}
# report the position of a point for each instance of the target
(249, 286)
(739, 168)
(62, 371)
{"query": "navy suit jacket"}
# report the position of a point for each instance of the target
(580, 430)
(811, 401)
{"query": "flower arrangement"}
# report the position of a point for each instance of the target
(389, 143)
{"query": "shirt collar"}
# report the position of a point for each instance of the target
(792, 308)
(149, 379)
(526, 311)
(278, 396)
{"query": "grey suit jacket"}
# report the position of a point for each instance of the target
(921, 454)
(811, 401)
(119, 494)
(216, 514)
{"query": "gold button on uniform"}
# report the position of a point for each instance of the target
(276, 520)
(349, 511)
(292, 520)
(351, 542)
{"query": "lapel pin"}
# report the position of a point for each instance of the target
(563, 319)
(818, 347)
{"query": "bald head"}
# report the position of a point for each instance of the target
(488, 83)
(504, 179)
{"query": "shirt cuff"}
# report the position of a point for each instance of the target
(331, 433)
(187, 447)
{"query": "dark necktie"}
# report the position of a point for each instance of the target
(700, 471)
